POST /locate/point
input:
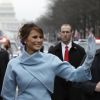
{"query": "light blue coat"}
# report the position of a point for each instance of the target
(34, 75)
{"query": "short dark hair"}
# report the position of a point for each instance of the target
(67, 25)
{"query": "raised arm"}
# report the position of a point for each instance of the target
(82, 73)
(90, 53)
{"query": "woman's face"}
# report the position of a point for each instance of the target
(34, 41)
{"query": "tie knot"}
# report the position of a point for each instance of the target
(66, 47)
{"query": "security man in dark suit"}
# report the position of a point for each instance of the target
(91, 88)
(4, 58)
(62, 89)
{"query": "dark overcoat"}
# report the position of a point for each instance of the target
(4, 58)
(62, 89)
(88, 87)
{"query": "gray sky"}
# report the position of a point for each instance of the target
(28, 9)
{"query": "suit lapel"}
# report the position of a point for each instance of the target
(59, 51)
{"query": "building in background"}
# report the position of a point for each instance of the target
(9, 25)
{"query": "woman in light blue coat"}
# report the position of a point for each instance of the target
(33, 72)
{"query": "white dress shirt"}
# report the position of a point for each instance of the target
(64, 46)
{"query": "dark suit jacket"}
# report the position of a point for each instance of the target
(63, 89)
(88, 87)
(4, 58)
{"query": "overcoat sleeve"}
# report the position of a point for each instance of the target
(68, 72)
(9, 81)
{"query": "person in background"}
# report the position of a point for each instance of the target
(62, 89)
(91, 88)
(7, 46)
(4, 58)
(33, 72)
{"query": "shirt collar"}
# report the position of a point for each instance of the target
(69, 45)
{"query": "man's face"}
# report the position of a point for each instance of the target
(66, 34)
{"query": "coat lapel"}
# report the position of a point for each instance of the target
(58, 51)
(34, 65)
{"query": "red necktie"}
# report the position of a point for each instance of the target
(66, 57)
